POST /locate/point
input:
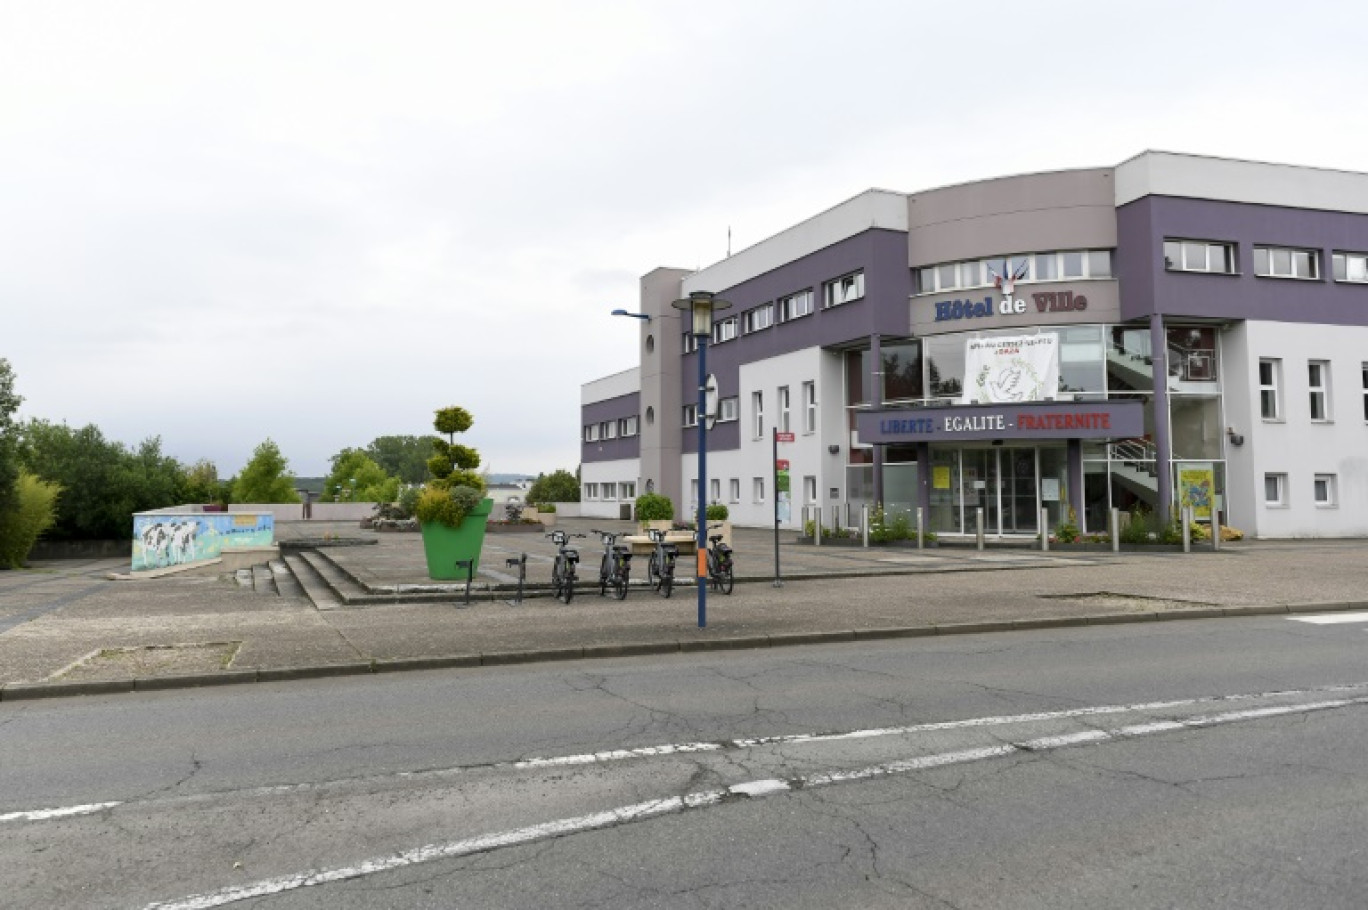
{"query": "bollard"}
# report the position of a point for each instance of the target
(864, 524)
(816, 526)
(1215, 529)
(469, 566)
(1185, 516)
(978, 518)
(1044, 529)
(1116, 529)
(521, 565)
(921, 529)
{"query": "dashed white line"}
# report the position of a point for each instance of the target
(39, 815)
(1326, 619)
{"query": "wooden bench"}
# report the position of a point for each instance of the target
(642, 545)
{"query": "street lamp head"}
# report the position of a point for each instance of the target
(702, 305)
(620, 312)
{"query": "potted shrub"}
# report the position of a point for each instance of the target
(654, 510)
(452, 508)
(717, 516)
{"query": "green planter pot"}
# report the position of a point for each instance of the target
(444, 546)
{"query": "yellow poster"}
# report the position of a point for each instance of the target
(940, 477)
(1197, 488)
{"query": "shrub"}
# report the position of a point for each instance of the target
(546, 508)
(717, 512)
(408, 501)
(901, 528)
(1136, 529)
(35, 512)
(654, 507)
(446, 506)
(1067, 531)
(879, 531)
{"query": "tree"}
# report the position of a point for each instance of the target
(404, 457)
(266, 478)
(21, 526)
(9, 439)
(559, 486)
(202, 484)
(356, 477)
(452, 464)
(102, 482)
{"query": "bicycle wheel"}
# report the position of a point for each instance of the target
(653, 572)
(557, 582)
(725, 581)
(667, 580)
(605, 573)
(620, 583)
(569, 586)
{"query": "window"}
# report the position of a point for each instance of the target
(608, 429)
(795, 305)
(758, 489)
(591, 491)
(758, 410)
(1270, 396)
(1324, 486)
(783, 409)
(591, 433)
(690, 343)
(810, 489)
(714, 490)
(727, 409)
(629, 426)
(1364, 369)
(762, 317)
(1199, 256)
(1053, 265)
(1275, 490)
(724, 330)
(1351, 267)
(810, 404)
(1318, 382)
(693, 491)
(610, 491)
(843, 290)
(734, 489)
(690, 415)
(628, 488)
(1280, 262)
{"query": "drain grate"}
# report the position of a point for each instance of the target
(152, 660)
(1134, 602)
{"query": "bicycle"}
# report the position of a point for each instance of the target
(720, 563)
(563, 569)
(660, 570)
(616, 566)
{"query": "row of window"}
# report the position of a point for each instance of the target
(612, 429)
(757, 490)
(728, 409)
(1323, 491)
(1025, 268)
(1269, 261)
(834, 293)
(625, 491)
(1317, 385)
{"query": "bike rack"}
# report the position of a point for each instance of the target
(521, 565)
(469, 566)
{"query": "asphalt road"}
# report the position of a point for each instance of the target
(1206, 763)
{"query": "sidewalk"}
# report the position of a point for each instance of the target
(66, 629)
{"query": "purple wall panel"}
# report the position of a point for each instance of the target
(882, 254)
(1147, 287)
(611, 409)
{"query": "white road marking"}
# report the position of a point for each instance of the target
(750, 789)
(38, 815)
(612, 755)
(1326, 619)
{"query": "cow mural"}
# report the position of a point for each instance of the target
(162, 539)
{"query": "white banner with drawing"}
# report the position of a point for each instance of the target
(1013, 368)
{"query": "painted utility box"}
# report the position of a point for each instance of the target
(172, 537)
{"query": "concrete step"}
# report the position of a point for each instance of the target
(343, 586)
(263, 582)
(286, 584)
(314, 586)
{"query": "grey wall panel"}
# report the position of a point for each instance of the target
(1055, 211)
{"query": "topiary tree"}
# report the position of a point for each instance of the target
(451, 464)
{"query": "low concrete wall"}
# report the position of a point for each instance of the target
(318, 511)
(81, 549)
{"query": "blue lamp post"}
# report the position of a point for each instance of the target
(701, 305)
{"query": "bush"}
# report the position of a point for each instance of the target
(446, 506)
(407, 503)
(717, 512)
(1067, 531)
(21, 527)
(546, 508)
(654, 507)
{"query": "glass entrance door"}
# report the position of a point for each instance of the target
(1003, 482)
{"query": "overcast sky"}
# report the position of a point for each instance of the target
(319, 222)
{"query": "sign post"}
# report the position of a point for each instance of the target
(781, 497)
